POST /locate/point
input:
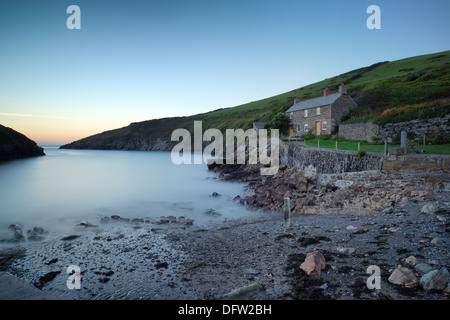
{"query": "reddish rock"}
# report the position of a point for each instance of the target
(314, 263)
(403, 276)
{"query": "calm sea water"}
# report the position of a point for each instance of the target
(67, 186)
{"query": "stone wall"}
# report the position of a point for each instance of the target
(319, 161)
(313, 161)
(417, 163)
(431, 126)
(359, 131)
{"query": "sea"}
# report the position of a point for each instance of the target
(66, 187)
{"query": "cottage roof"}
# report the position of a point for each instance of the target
(316, 102)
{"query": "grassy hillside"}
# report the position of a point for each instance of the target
(375, 88)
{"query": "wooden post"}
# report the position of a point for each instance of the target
(287, 211)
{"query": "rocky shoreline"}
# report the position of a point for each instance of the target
(396, 223)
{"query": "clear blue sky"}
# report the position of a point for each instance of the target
(138, 60)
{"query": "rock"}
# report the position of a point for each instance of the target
(243, 291)
(18, 232)
(423, 267)
(71, 237)
(160, 265)
(444, 271)
(215, 194)
(346, 250)
(403, 276)
(435, 208)
(350, 227)
(250, 271)
(411, 260)
(212, 213)
(437, 241)
(36, 234)
(434, 280)
(313, 264)
(388, 210)
(428, 208)
(86, 224)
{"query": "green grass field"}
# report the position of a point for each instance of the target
(371, 147)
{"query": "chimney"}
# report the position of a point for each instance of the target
(326, 92)
(342, 89)
(296, 100)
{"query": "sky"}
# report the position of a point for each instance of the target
(139, 60)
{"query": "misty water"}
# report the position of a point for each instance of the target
(65, 187)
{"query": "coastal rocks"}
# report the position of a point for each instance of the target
(212, 213)
(36, 234)
(403, 276)
(160, 220)
(313, 264)
(86, 224)
(173, 220)
(434, 280)
(18, 232)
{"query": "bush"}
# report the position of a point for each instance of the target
(309, 136)
(361, 153)
(325, 137)
(279, 121)
(440, 139)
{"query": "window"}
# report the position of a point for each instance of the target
(305, 128)
(298, 128)
(291, 116)
(324, 125)
(306, 113)
(318, 111)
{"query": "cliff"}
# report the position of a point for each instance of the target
(14, 145)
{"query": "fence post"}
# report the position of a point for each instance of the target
(287, 211)
(404, 142)
(336, 144)
(424, 143)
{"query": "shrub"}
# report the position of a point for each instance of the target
(309, 136)
(440, 139)
(361, 153)
(279, 121)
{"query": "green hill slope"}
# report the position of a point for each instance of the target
(375, 88)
